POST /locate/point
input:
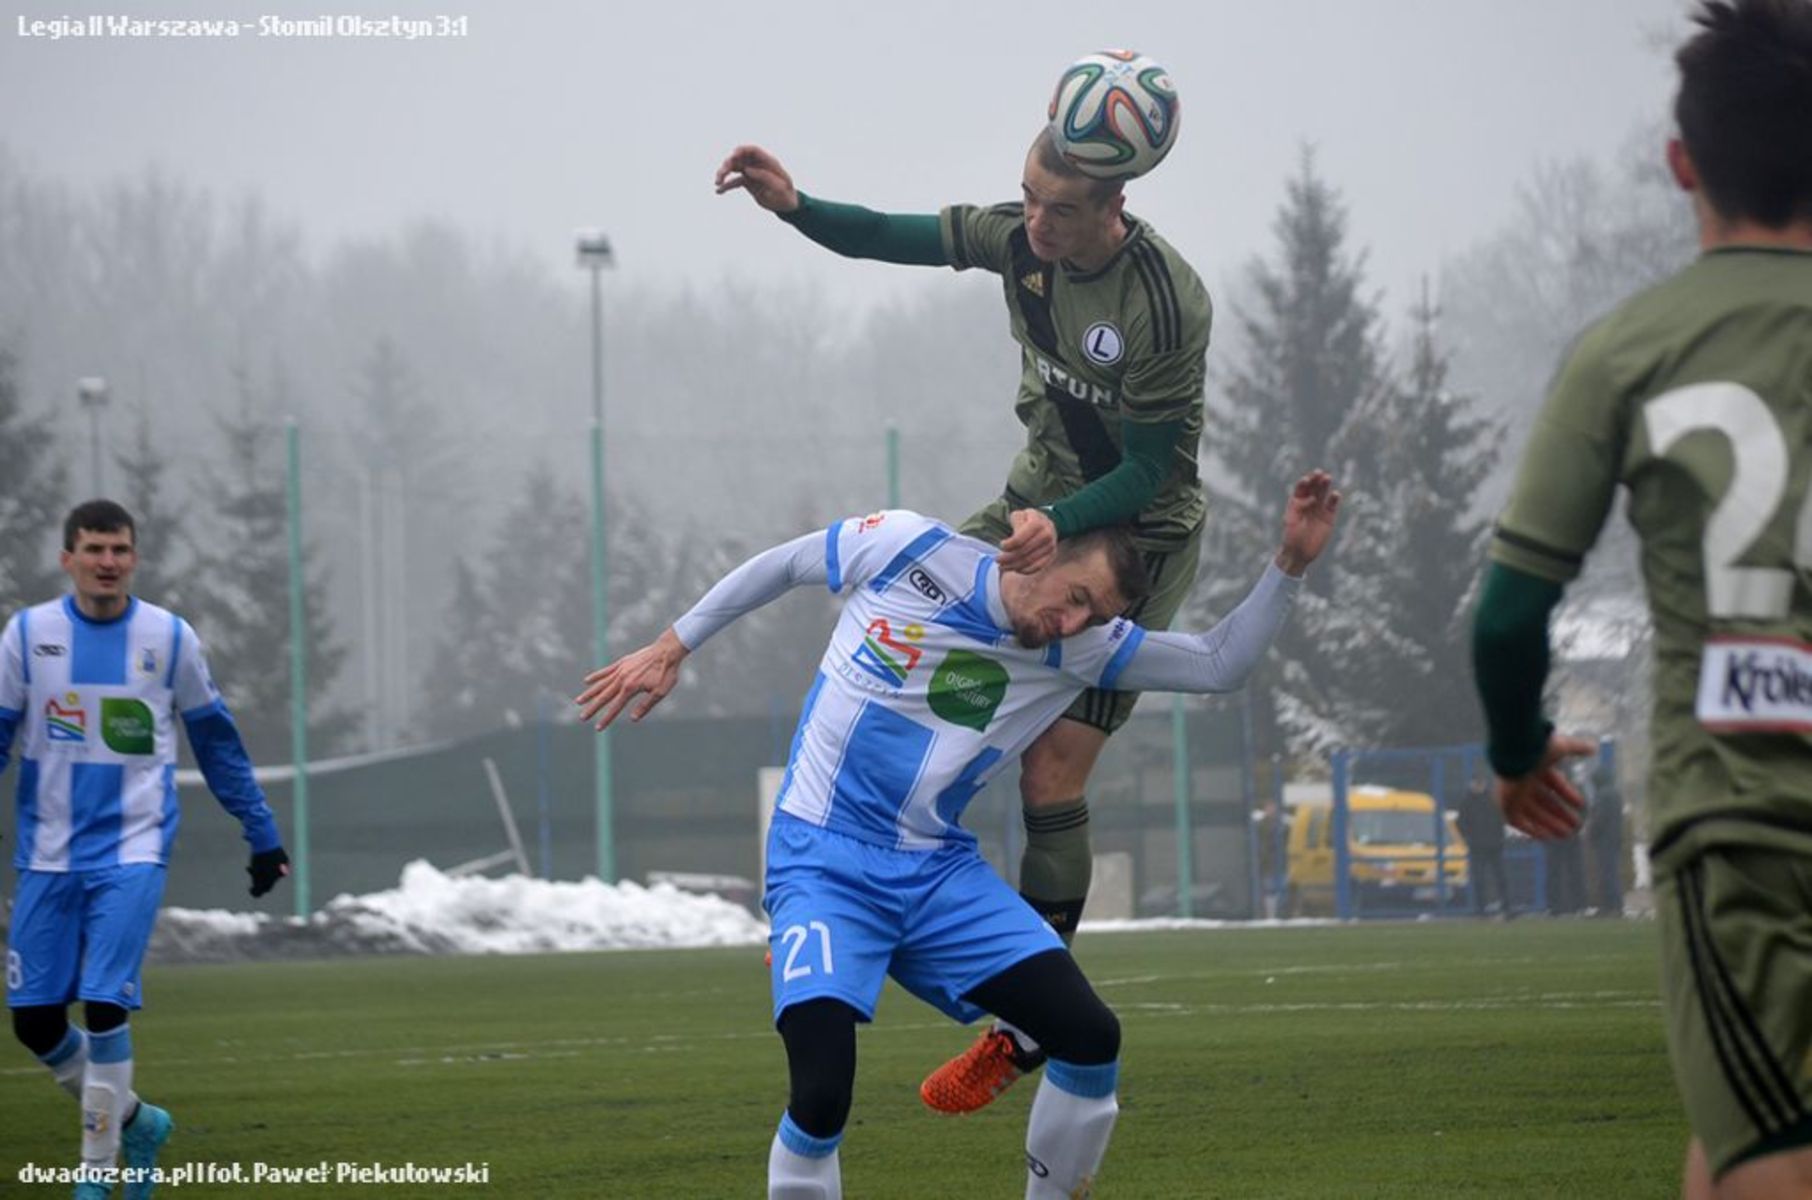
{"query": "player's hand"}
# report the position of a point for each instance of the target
(651, 671)
(760, 174)
(1544, 803)
(268, 866)
(1308, 522)
(1032, 544)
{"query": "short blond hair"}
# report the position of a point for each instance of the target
(1100, 191)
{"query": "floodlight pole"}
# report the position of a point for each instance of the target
(893, 465)
(1179, 748)
(92, 392)
(298, 663)
(594, 254)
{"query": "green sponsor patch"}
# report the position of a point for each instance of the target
(127, 727)
(966, 689)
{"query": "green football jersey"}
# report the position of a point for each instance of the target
(1697, 396)
(1127, 342)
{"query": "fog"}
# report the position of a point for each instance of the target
(275, 225)
(545, 116)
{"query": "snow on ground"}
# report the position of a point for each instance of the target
(429, 912)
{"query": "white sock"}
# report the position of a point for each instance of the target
(68, 1061)
(802, 1167)
(1072, 1118)
(106, 1095)
(1026, 1041)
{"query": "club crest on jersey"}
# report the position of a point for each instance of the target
(1102, 343)
(66, 721)
(1033, 282)
(147, 661)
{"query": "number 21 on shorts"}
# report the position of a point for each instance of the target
(797, 938)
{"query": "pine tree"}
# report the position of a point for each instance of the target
(159, 524)
(461, 689)
(34, 487)
(524, 623)
(241, 609)
(408, 508)
(1411, 557)
(1313, 359)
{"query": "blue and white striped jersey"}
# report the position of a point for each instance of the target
(95, 702)
(924, 693)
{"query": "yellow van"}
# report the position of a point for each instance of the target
(1391, 844)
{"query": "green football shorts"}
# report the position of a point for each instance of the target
(1736, 989)
(1172, 574)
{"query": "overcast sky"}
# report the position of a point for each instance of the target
(549, 114)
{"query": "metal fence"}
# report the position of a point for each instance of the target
(686, 796)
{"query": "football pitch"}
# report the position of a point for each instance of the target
(1411, 1060)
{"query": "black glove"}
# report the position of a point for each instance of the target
(268, 866)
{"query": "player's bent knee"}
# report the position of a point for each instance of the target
(40, 1028)
(102, 1016)
(820, 1037)
(1090, 1037)
(820, 1105)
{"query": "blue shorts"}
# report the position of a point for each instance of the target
(81, 935)
(846, 914)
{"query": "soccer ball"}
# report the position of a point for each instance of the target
(1114, 114)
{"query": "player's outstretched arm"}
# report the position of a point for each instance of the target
(846, 229)
(1308, 522)
(650, 672)
(1222, 659)
(760, 174)
(653, 670)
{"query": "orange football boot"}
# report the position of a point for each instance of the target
(972, 1079)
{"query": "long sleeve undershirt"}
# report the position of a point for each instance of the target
(1510, 662)
(1122, 493)
(856, 232)
(1219, 660)
(914, 239)
(761, 580)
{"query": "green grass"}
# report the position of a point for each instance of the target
(1416, 1060)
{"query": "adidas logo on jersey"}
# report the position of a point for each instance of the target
(1033, 283)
